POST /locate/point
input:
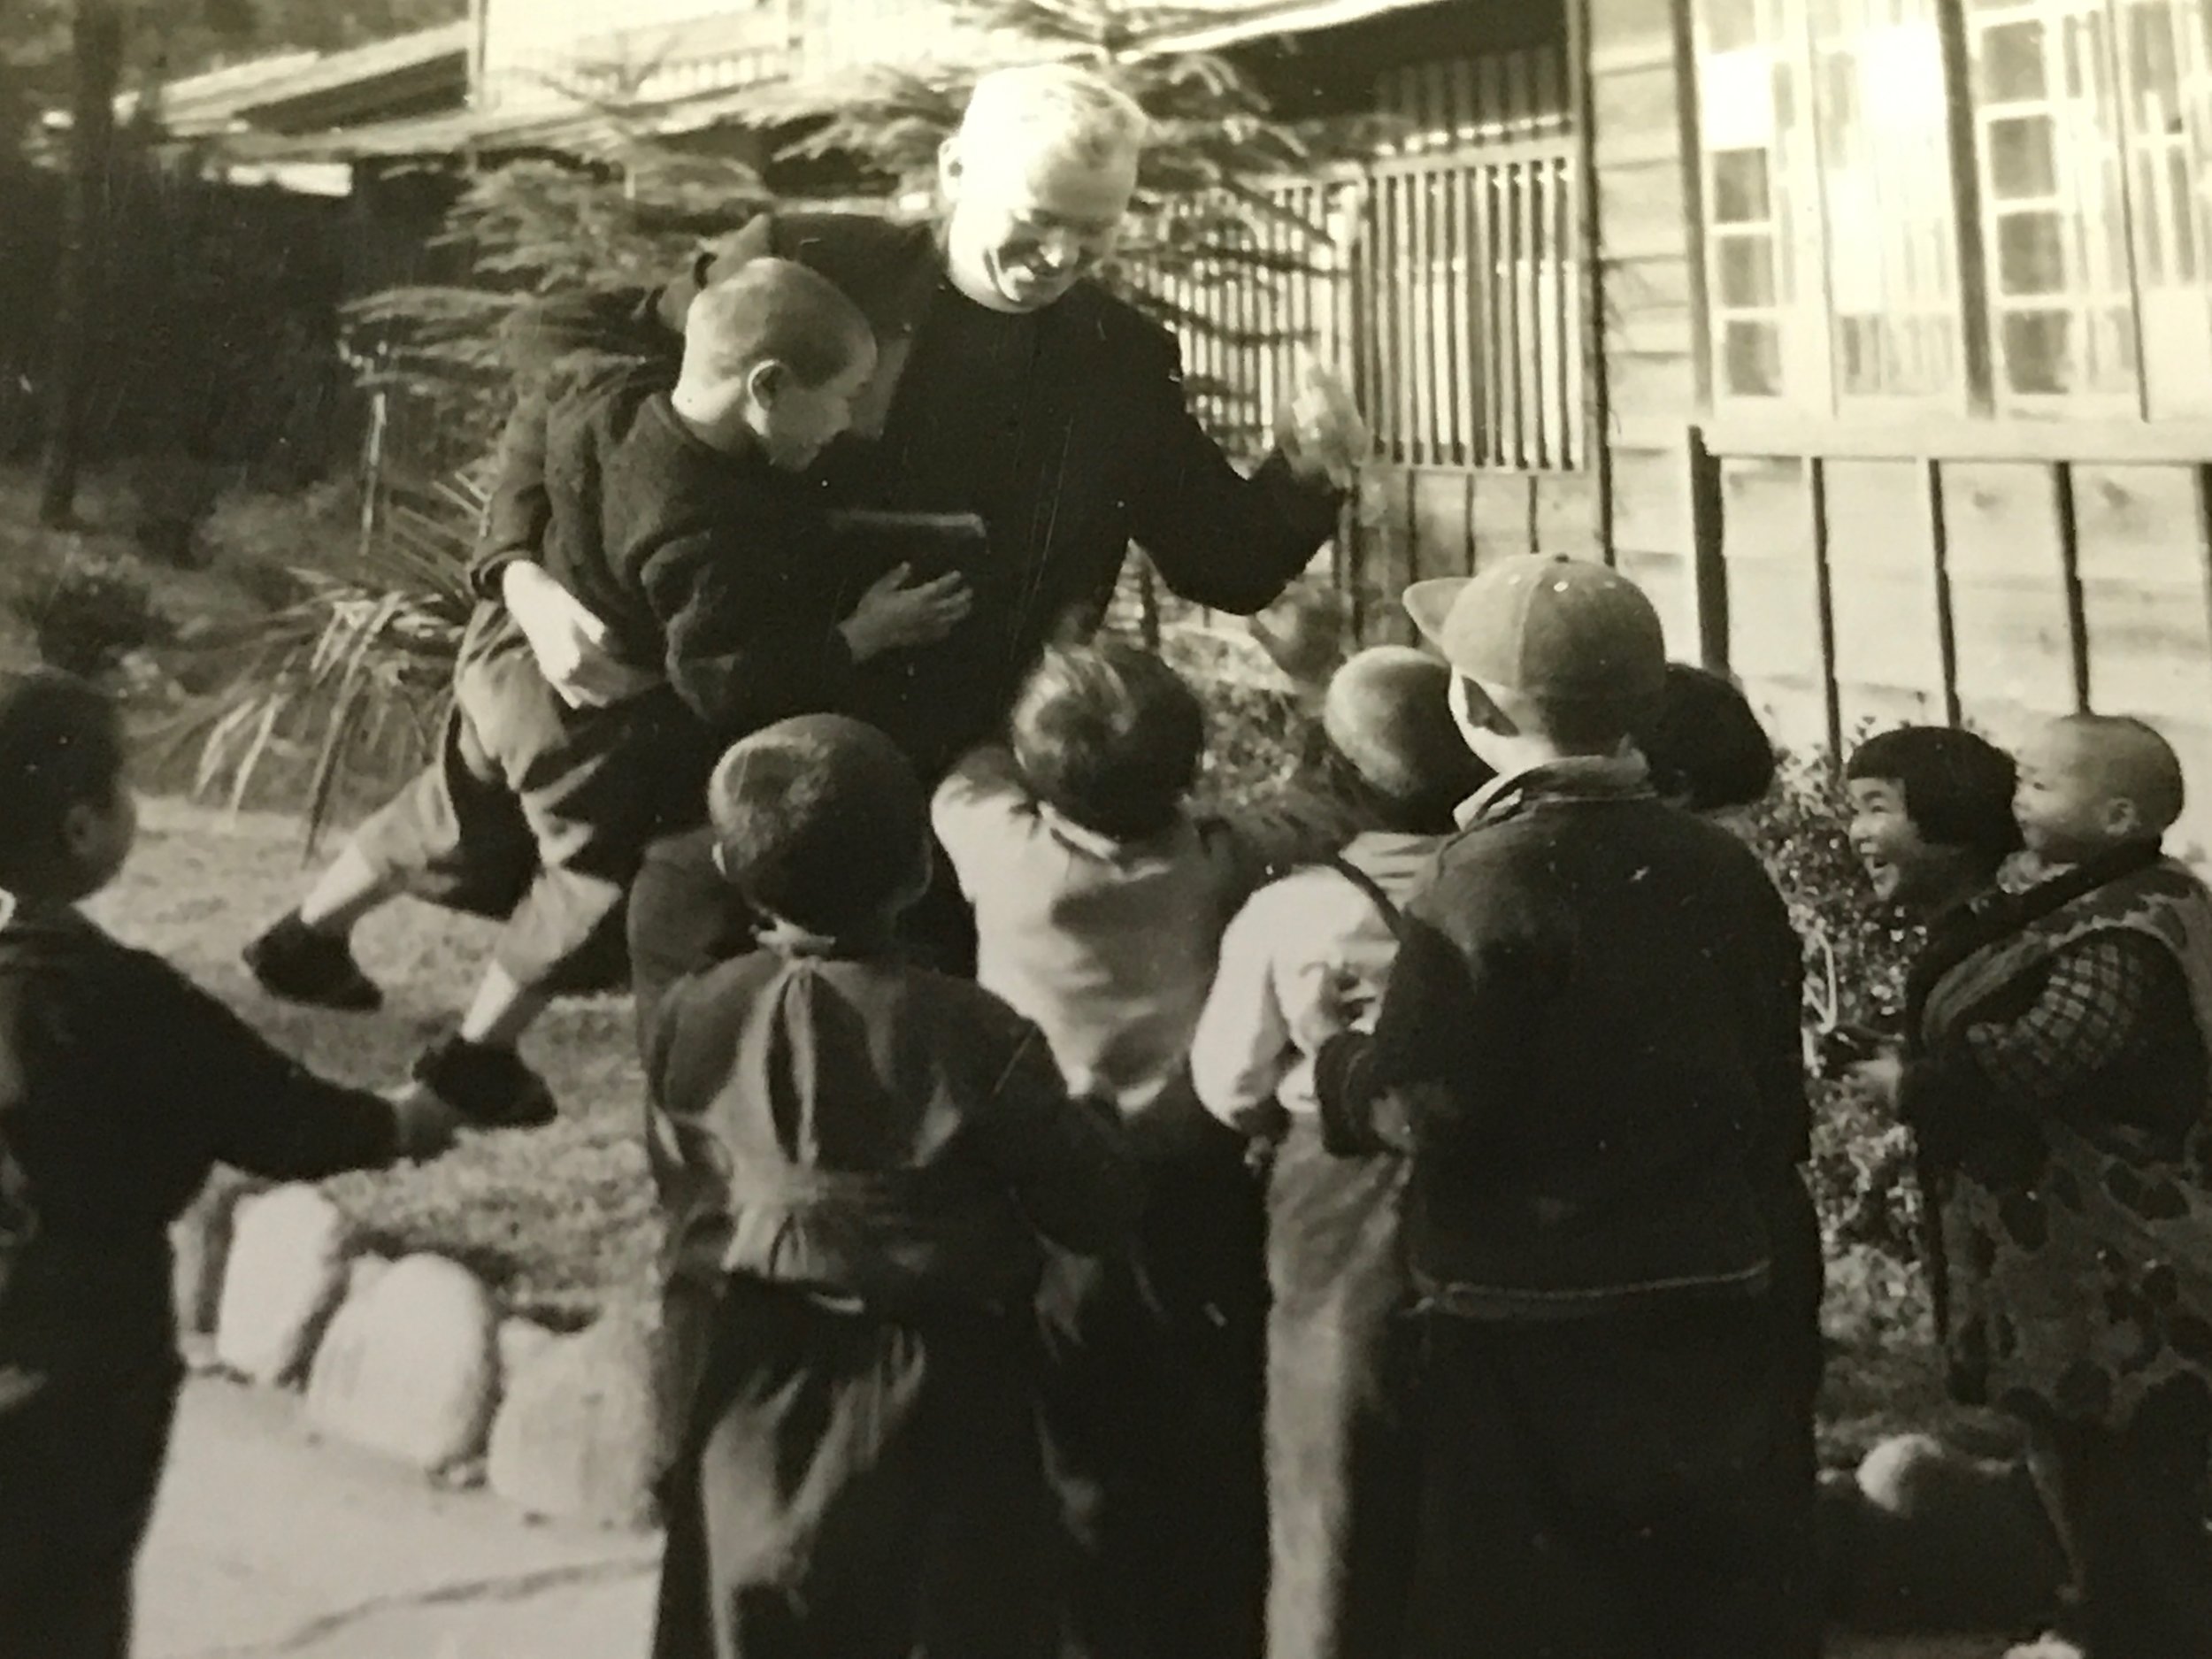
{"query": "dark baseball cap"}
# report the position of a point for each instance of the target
(1550, 627)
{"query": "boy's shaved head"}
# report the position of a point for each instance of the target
(772, 310)
(2126, 759)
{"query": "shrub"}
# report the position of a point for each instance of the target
(93, 615)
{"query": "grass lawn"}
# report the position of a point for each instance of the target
(556, 1216)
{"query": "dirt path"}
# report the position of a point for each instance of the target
(269, 1544)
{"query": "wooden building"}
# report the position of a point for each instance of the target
(1874, 337)
(1907, 352)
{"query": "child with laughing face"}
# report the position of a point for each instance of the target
(2055, 1076)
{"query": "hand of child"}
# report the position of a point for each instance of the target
(1303, 633)
(1321, 433)
(1348, 1002)
(571, 645)
(895, 616)
(426, 1125)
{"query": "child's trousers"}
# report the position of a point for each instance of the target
(1152, 1407)
(538, 814)
(1621, 1487)
(2132, 1507)
(80, 1460)
(855, 1486)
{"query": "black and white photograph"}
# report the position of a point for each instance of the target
(1084, 829)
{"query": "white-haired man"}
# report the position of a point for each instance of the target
(1010, 386)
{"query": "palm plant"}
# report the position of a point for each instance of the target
(353, 677)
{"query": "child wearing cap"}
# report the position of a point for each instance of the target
(121, 1087)
(1100, 902)
(681, 518)
(1340, 1471)
(1589, 1046)
(861, 1162)
(2055, 1073)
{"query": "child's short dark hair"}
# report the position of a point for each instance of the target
(1957, 787)
(820, 821)
(1704, 744)
(773, 310)
(1109, 736)
(61, 746)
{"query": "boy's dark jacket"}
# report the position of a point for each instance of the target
(712, 566)
(1108, 453)
(121, 1085)
(1590, 1043)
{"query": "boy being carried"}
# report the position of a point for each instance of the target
(2055, 1078)
(683, 519)
(1589, 1043)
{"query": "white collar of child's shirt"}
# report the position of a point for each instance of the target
(7, 907)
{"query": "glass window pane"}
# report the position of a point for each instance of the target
(2012, 62)
(1751, 358)
(2030, 254)
(2037, 348)
(1745, 271)
(1887, 197)
(1730, 25)
(2023, 161)
(1739, 188)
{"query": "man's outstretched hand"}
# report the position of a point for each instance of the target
(1321, 432)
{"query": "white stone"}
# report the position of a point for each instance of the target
(285, 1273)
(363, 1272)
(587, 1427)
(521, 1341)
(1944, 1541)
(200, 1243)
(409, 1367)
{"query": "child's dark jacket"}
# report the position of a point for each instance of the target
(711, 566)
(121, 1085)
(865, 1130)
(1590, 1043)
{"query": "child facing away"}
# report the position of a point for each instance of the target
(121, 1087)
(1708, 754)
(860, 1161)
(682, 519)
(1589, 1046)
(2056, 1077)
(1100, 901)
(1339, 1473)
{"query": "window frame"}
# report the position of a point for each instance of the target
(1804, 313)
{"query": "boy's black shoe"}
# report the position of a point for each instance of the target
(294, 961)
(490, 1086)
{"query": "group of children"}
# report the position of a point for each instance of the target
(1373, 1224)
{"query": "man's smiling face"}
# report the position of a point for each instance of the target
(1023, 229)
